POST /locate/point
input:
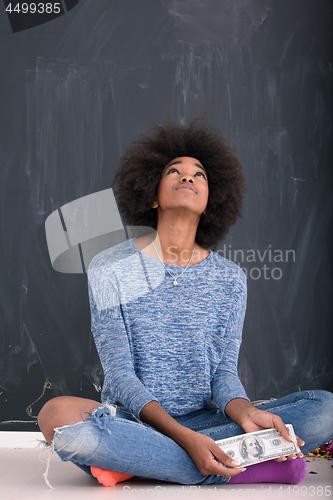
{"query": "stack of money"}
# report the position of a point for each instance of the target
(259, 446)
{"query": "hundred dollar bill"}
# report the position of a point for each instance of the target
(259, 446)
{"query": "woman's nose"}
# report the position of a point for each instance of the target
(189, 179)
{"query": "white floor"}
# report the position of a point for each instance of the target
(21, 478)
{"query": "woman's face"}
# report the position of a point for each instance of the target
(183, 185)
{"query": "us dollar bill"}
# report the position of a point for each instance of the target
(259, 446)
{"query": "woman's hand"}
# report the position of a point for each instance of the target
(206, 455)
(204, 452)
(253, 419)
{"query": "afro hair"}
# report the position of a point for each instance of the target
(142, 164)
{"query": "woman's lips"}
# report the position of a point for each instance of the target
(187, 187)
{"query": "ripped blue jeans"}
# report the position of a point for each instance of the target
(113, 439)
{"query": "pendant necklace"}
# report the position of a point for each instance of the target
(175, 279)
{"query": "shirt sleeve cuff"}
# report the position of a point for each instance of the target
(138, 403)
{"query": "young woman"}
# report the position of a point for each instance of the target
(167, 317)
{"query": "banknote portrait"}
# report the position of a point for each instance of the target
(251, 448)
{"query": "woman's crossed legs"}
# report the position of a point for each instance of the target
(121, 443)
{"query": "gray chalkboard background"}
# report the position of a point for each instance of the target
(76, 90)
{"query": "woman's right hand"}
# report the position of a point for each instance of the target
(206, 455)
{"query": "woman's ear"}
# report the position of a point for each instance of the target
(155, 203)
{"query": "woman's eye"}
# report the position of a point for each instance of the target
(175, 170)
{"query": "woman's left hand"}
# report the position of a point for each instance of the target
(260, 419)
(251, 419)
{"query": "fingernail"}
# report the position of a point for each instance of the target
(243, 469)
(284, 459)
(233, 462)
(294, 458)
(301, 455)
(302, 443)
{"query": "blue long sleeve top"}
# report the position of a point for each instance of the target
(175, 344)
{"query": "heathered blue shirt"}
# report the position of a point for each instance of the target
(175, 344)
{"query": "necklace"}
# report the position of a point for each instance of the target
(175, 282)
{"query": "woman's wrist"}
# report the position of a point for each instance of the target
(184, 437)
(155, 416)
(238, 410)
